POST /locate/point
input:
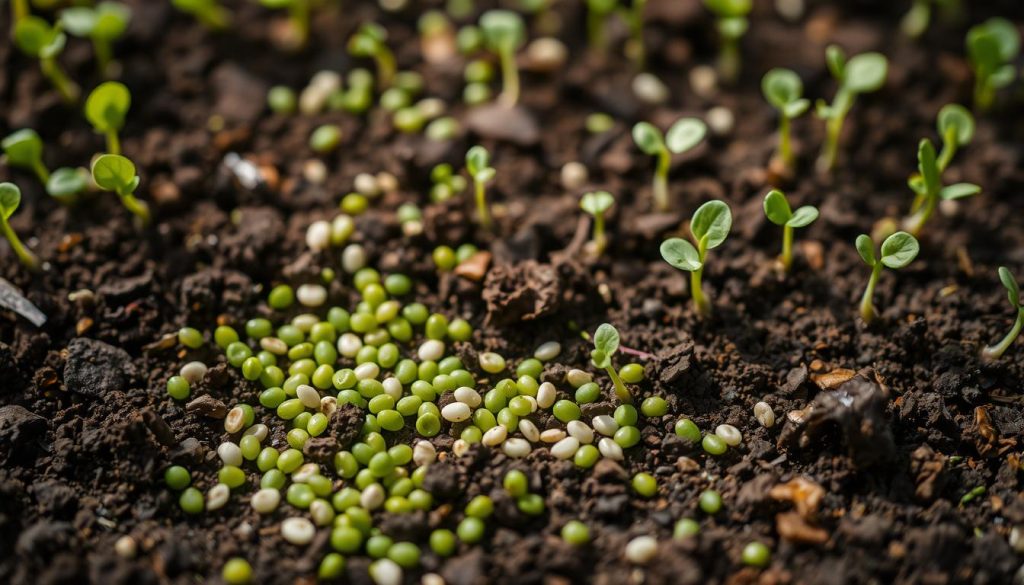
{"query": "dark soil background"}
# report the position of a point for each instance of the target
(86, 427)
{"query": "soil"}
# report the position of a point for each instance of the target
(881, 430)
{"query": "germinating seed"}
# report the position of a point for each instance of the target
(764, 414)
(610, 449)
(641, 550)
(230, 454)
(217, 497)
(516, 447)
(298, 531)
(730, 434)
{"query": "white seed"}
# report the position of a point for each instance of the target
(217, 497)
(366, 184)
(265, 500)
(431, 108)
(305, 321)
(574, 176)
(529, 430)
(641, 550)
(648, 88)
(349, 345)
(552, 435)
(791, 10)
(342, 228)
(580, 431)
(424, 453)
(387, 182)
(314, 171)
(565, 448)
(494, 436)
(432, 579)
(412, 228)
(230, 454)
(764, 414)
(193, 372)
(311, 295)
(546, 395)
(532, 402)
(577, 378)
(1017, 539)
(491, 362)
(367, 371)
(456, 412)
(305, 471)
(720, 120)
(703, 80)
(459, 447)
(730, 434)
(318, 236)
(386, 572)
(321, 512)
(393, 388)
(274, 345)
(372, 497)
(610, 449)
(258, 430)
(467, 395)
(235, 420)
(328, 404)
(431, 350)
(298, 531)
(547, 54)
(516, 447)
(125, 547)
(315, 95)
(308, 396)
(353, 258)
(548, 351)
(605, 425)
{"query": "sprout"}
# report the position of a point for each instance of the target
(369, 41)
(36, 38)
(956, 127)
(113, 172)
(784, 90)
(635, 47)
(710, 226)
(209, 12)
(915, 22)
(66, 183)
(863, 73)
(606, 343)
(992, 47)
(1013, 291)
(19, 10)
(106, 108)
(478, 162)
(929, 189)
(298, 17)
(685, 134)
(596, 204)
(10, 199)
(504, 33)
(598, 12)
(102, 24)
(732, 25)
(24, 149)
(898, 250)
(777, 210)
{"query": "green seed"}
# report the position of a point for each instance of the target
(444, 258)
(281, 297)
(290, 409)
(273, 479)
(464, 252)
(190, 338)
(249, 445)
(300, 495)
(460, 330)
(566, 410)
(346, 465)
(480, 507)
(442, 542)
(231, 476)
(685, 528)
(626, 415)
(587, 393)
(654, 406)
(297, 438)
(377, 546)
(317, 424)
(530, 367)
(405, 554)
(281, 99)
(178, 388)
(191, 501)
(325, 138)
(267, 459)
(516, 483)
(531, 504)
(632, 373)
(645, 484)
(627, 437)
(688, 430)
(258, 328)
(237, 353)
(236, 571)
(398, 284)
(177, 477)
(576, 533)
(471, 530)
(332, 567)
(714, 445)
(586, 456)
(346, 539)
(224, 336)
(436, 326)
(252, 368)
(290, 460)
(381, 465)
(710, 502)
(756, 554)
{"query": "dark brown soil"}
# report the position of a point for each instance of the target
(86, 427)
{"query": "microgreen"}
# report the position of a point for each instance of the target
(298, 18)
(102, 24)
(66, 183)
(864, 73)
(36, 38)
(778, 211)
(928, 187)
(635, 47)
(106, 108)
(1013, 292)
(732, 24)
(685, 134)
(371, 41)
(208, 12)
(956, 127)
(992, 48)
(478, 162)
(709, 227)
(10, 199)
(24, 149)
(504, 33)
(784, 91)
(898, 250)
(606, 343)
(597, 204)
(598, 12)
(915, 22)
(113, 172)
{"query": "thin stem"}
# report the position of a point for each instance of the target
(67, 88)
(41, 171)
(984, 95)
(700, 302)
(623, 393)
(915, 21)
(386, 67)
(215, 17)
(785, 142)
(599, 239)
(509, 78)
(637, 32)
(867, 307)
(948, 149)
(24, 254)
(113, 142)
(916, 222)
(298, 14)
(101, 48)
(830, 150)
(19, 10)
(139, 208)
(787, 247)
(660, 188)
(729, 60)
(996, 351)
(481, 205)
(595, 31)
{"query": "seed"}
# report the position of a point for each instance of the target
(125, 547)
(730, 434)
(459, 447)
(576, 533)
(456, 412)
(566, 410)
(684, 528)
(688, 430)
(298, 531)
(235, 420)
(648, 88)
(274, 345)
(703, 80)
(605, 425)
(565, 448)
(236, 571)
(431, 350)
(494, 436)
(321, 512)
(265, 501)
(710, 501)
(764, 414)
(424, 453)
(367, 371)
(529, 430)
(178, 388)
(756, 554)
(578, 378)
(491, 362)
(548, 351)
(654, 406)
(645, 484)
(714, 445)
(217, 497)
(516, 447)
(191, 501)
(610, 449)
(308, 396)
(720, 120)
(574, 176)
(546, 395)
(366, 184)
(372, 497)
(468, 396)
(193, 372)
(311, 295)
(318, 236)
(552, 435)
(353, 257)
(580, 430)
(641, 550)
(230, 453)
(386, 572)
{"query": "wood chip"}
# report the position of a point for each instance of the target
(804, 493)
(833, 379)
(793, 528)
(475, 267)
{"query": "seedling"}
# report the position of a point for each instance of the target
(66, 183)
(709, 227)
(598, 12)
(370, 41)
(898, 250)
(597, 204)
(732, 25)
(208, 12)
(478, 162)
(606, 343)
(685, 134)
(113, 172)
(635, 48)
(298, 17)
(992, 48)
(10, 199)
(106, 108)
(784, 90)
(778, 211)
(1013, 291)
(929, 189)
(24, 149)
(19, 10)
(36, 38)
(504, 33)
(864, 73)
(102, 24)
(915, 22)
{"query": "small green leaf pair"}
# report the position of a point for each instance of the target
(778, 211)
(371, 41)
(10, 199)
(24, 149)
(115, 173)
(864, 73)
(709, 227)
(606, 344)
(784, 91)
(1013, 292)
(683, 136)
(992, 48)
(478, 165)
(504, 33)
(102, 24)
(106, 109)
(597, 204)
(36, 38)
(929, 188)
(898, 250)
(732, 25)
(208, 12)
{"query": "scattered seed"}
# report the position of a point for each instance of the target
(641, 550)
(459, 447)
(552, 435)
(265, 500)
(311, 295)
(491, 362)
(298, 531)
(230, 454)
(764, 414)
(610, 449)
(574, 176)
(730, 434)
(577, 378)
(318, 236)
(386, 572)
(580, 431)
(235, 420)
(494, 436)
(424, 453)
(456, 412)
(353, 258)
(468, 396)
(193, 372)
(516, 447)
(431, 350)
(720, 120)
(260, 431)
(217, 497)
(548, 351)
(126, 547)
(566, 448)
(372, 497)
(529, 430)
(546, 395)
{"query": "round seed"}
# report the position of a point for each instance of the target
(424, 453)
(529, 430)
(468, 396)
(610, 449)
(367, 371)
(217, 497)
(565, 448)
(318, 235)
(605, 425)
(494, 436)
(193, 372)
(235, 420)
(459, 447)
(230, 454)
(578, 378)
(730, 434)
(714, 445)
(546, 395)
(516, 447)
(308, 396)
(548, 351)
(641, 550)
(580, 431)
(353, 258)
(386, 572)
(126, 547)
(552, 435)
(349, 345)
(372, 497)
(756, 554)
(491, 362)
(266, 500)
(764, 414)
(431, 350)
(298, 531)
(260, 431)
(311, 295)
(688, 430)
(456, 412)
(274, 345)
(710, 501)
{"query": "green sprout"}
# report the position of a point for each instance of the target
(208, 12)
(992, 47)
(478, 162)
(778, 211)
(370, 41)
(685, 134)
(504, 33)
(66, 183)
(709, 226)
(606, 343)
(732, 25)
(598, 12)
(929, 188)
(36, 38)
(10, 199)
(784, 91)
(106, 108)
(597, 204)
(102, 24)
(1013, 291)
(24, 149)
(898, 250)
(915, 22)
(864, 73)
(298, 17)
(19, 10)
(635, 47)
(113, 172)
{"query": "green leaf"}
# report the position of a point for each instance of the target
(866, 72)
(602, 6)
(113, 172)
(823, 110)
(835, 59)
(79, 20)
(23, 148)
(107, 106)
(277, 4)
(10, 199)
(606, 339)
(65, 182)
(927, 166)
(597, 202)
(776, 207)
(712, 220)
(1012, 289)
(112, 20)
(504, 30)
(600, 359)
(804, 216)
(681, 254)
(35, 37)
(648, 138)
(1006, 36)
(781, 87)
(685, 134)
(729, 8)
(916, 184)
(733, 28)
(1003, 76)
(796, 108)
(866, 249)
(958, 120)
(899, 249)
(959, 191)
(477, 159)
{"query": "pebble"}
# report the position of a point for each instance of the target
(311, 295)
(230, 454)
(386, 572)
(308, 396)
(574, 176)
(565, 448)
(546, 395)
(424, 453)
(764, 414)
(126, 547)
(605, 425)
(641, 550)
(353, 257)
(318, 236)
(217, 497)
(467, 395)
(730, 434)
(298, 531)
(456, 412)
(548, 351)
(373, 497)
(494, 436)
(610, 449)
(516, 447)
(265, 501)
(580, 431)
(552, 435)
(431, 350)
(387, 182)
(648, 88)
(193, 372)
(529, 430)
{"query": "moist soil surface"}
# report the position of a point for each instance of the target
(881, 429)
